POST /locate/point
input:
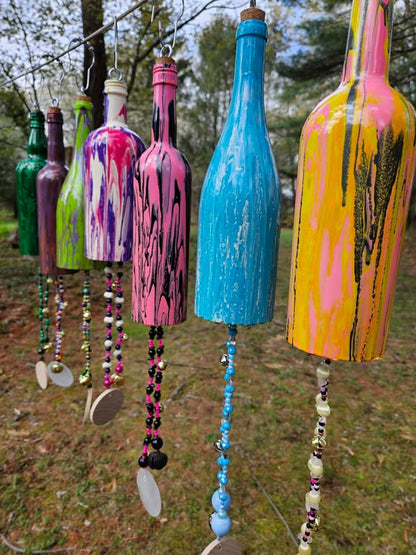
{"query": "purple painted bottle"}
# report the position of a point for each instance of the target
(111, 153)
(162, 194)
(48, 185)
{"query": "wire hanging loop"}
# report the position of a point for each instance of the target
(167, 49)
(83, 89)
(114, 72)
(55, 100)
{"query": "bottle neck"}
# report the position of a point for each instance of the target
(56, 150)
(83, 123)
(115, 108)
(37, 144)
(164, 102)
(369, 40)
(248, 87)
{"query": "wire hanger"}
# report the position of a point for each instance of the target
(83, 89)
(166, 48)
(114, 72)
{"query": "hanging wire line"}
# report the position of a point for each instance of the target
(103, 29)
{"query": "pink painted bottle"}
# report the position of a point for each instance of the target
(48, 186)
(111, 153)
(162, 194)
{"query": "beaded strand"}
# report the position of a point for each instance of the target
(155, 460)
(220, 522)
(43, 288)
(115, 378)
(315, 466)
(60, 305)
(86, 376)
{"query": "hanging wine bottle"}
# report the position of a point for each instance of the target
(70, 221)
(48, 185)
(239, 214)
(356, 166)
(26, 172)
(111, 153)
(162, 213)
(162, 194)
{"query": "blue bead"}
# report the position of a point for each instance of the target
(228, 409)
(220, 526)
(218, 498)
(229, 388)
(223, 480)
(226, 425)
(225, 444)
(232, 350)
(223, 461)
(231, 370)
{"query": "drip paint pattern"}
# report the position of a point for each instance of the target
(356, 166)
(70, 224)
(161, 214)
(111, 153)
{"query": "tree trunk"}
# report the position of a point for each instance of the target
(92, 19)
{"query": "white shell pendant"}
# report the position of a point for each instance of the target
(224, 546)
(41, 374)
(149, 492)
(60, 374)
(106, 406)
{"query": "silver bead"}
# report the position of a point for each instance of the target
(217, 445)
(224, 360)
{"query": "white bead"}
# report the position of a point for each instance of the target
(108, 343)
(108, 270)
(108, 294)
(117, 352)
(323, 410)
(322, 372)
(323, 382)
(108, 319)
(303, 528)
(315, 467)
(119, 300)
(107, 364)
(304, 549)
(320, 401)
(119, 323)
(313, 498)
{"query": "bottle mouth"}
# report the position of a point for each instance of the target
(252, 26)
(164, 72)
(54, 115)
(115, 86)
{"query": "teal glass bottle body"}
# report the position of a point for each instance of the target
(239, 216)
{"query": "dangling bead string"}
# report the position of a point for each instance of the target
(117, 378)
(59, 333)
(86, 376)
(220, 522)
(156, 460)
(108, 320)
(315, 465)
(43, 287)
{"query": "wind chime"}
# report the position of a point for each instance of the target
(111, 153)
(70, 223)
(49, 181)
(357, 162)
(238, 236)
(162, 194)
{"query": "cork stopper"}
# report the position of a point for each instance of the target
(84, 98)
(165, 60)
(252, 13)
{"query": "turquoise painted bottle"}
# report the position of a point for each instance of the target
(239, 216)
(26, 172)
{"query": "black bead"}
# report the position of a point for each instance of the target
(152, 371)
(109, 326)
(157, 460)
(143, 462)
(152, 333)
(157, 423)
(147, 440)
(159, 332)
(152, 352)
(150, 407)
(149, 389)
(159, 377)
(160, 350)
(157, 442)
(157, 395)
(149, 421)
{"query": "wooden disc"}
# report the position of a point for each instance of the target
(106, 406)
(64, 378)
(149, 492)
(88, 403)
(225, 546)
(41, 374)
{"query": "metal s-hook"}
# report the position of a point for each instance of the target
(167, 49)
(55, 100)
(114, 72)
(90, 47)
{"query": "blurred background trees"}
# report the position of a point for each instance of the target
(304, 59)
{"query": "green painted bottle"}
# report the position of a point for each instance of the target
(26, 172)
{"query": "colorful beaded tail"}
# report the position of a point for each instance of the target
(220, 522)
(315, 466)
(43, 288)
(86, 376)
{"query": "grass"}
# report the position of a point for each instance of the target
(72, 486)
